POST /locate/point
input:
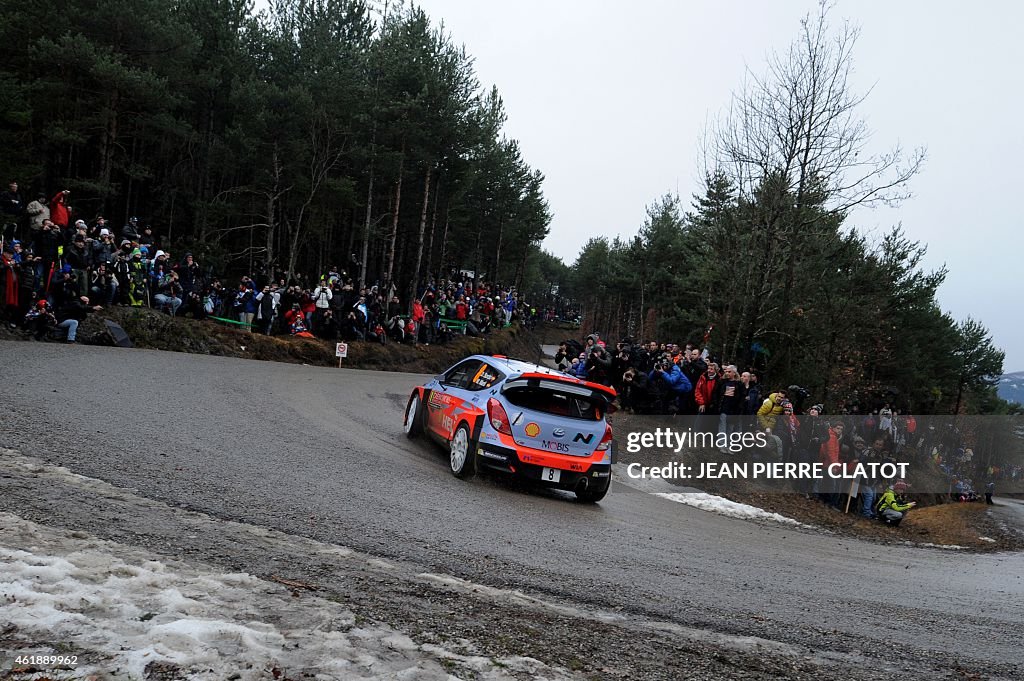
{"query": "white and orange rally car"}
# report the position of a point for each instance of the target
(519, 418)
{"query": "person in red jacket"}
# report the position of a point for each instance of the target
(829, 454)
(704, 393)
(59, 214)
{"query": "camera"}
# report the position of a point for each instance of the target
(795, 392)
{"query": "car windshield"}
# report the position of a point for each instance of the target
(556, 403)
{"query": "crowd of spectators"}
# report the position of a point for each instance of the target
(55, 271)
(687, 381)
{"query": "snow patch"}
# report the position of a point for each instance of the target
(929, 545)
(128, 611)
(726, 507)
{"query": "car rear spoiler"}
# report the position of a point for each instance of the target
(561, 382)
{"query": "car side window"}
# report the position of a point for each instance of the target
(459, 375)
(484, 377)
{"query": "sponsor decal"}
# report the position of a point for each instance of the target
(532, 429)
(558, 432)
(585, 439)
(554, 446)
(440, 399)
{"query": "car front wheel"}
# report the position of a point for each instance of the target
(462, 454)
(413, 424)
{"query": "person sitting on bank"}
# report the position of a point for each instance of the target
(892, 507)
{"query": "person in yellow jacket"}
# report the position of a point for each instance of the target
(892, 507)
(771, 409)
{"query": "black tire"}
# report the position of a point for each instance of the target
(595, 492)
(462, 452)
(413, 423)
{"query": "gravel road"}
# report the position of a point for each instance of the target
(209, 454)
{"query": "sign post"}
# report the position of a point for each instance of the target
(854, 489)
(341, 351)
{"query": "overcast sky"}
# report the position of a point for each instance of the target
(609, 100)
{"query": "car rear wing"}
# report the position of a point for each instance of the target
(562, 383)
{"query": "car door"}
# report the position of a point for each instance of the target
(450, 398)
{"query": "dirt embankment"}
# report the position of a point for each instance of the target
(156, 331)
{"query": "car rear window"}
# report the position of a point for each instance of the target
(557, 403)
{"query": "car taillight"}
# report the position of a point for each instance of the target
(497, 416)
(606, 441)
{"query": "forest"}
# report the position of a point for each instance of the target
(310, 134)
(342, 132)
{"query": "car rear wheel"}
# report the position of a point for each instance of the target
(413, 424)
(595, 491)
(462, 452)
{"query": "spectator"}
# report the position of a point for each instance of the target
(103, 249)
(728, 401)
(169, 293)
(38, 212)
(829, 454)
(73, 313)
(131, 230)
(322, 295)
(59, 210)
(771, 409)
(9, 286)
(670, 385)
(40, 320)
(266, 311)
(704, 392)
(892, 507)
(103, 285)
(80, 259)
(11, 209)
(189, 274)
(138, 280)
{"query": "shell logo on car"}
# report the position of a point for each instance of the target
(532, 429)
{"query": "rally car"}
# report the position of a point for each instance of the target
(518, 418)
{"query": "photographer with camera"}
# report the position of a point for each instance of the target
(797, 395)
(670, 385)
(80, 259)
(599, 365)
(103, 285)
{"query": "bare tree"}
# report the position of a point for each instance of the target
(794, 144)
(799, 122)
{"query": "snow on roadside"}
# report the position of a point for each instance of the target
(123, 611)
(723, 506)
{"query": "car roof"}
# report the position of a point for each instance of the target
(515, 367)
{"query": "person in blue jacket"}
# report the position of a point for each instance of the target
(670, 382)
